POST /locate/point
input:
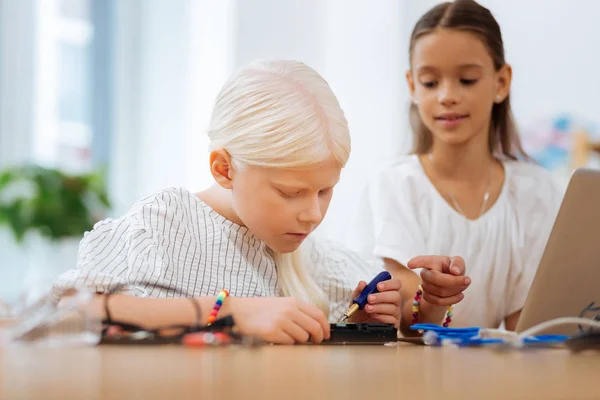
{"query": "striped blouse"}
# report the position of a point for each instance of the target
(172, 244)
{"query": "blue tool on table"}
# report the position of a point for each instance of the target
(361, 300)
(435, 335)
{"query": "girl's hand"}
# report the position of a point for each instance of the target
(443, 279)
(383, 306)
(283, 320)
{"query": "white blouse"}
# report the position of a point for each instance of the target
(172, 244)
(403, 215)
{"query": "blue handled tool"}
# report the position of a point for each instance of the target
(361, 300)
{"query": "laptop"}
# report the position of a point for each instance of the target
(567, 282)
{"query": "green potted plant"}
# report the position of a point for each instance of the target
(43, 215)
(50, 202)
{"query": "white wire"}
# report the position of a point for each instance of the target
(518, 340)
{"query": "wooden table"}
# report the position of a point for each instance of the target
(299, 372)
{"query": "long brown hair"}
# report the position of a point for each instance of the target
(470, 16)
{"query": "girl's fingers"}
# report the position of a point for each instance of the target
(442, 301)
(442, 291)
(387, 309)
(392, 297)
(445, 280)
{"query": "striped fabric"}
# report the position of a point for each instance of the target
(172, 244)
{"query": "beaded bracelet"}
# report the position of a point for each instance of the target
(213, 314)
(417, 303)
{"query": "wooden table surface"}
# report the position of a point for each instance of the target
(299, 372)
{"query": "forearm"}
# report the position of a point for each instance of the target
(510, 322)
(428, 313)
(152, 313)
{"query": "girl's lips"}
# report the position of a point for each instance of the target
(298, 235)
(451, 120)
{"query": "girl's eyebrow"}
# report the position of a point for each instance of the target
(470, 65)
(430, 68)
(296, 187)
(425, 68)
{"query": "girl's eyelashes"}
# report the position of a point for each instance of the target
(291, 195)
(468, 82)
(288, 195)
(433, 84)
(325, 192)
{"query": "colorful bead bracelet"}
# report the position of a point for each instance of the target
(417, 303)
(220, 298)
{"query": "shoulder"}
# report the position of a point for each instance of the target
(530, 179)
(153, 211)
(533, 189)
(401, 168)
(172, 204)
(402, 176)
(170, 200)
(528, 174)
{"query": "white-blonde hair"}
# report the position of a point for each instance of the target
(281, 114)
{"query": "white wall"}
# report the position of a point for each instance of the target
(363, 54)
(17, 80)
(291, 29)
(151, 71)
(171, 59)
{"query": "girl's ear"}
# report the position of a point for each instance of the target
(411, 85)
(504, 76)
(221, 168)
